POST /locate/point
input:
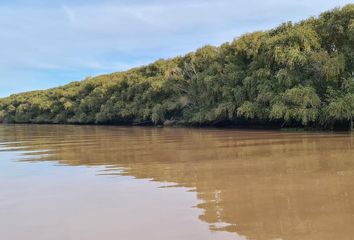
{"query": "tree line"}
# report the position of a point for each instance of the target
(294, 75)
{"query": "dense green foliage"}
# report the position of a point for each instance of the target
(294, 75)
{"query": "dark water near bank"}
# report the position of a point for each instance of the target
(92, 182)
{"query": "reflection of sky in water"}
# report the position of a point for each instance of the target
(47, 201)
(259, 184)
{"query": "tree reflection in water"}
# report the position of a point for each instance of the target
(260, 184)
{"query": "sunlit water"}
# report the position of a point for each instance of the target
(130, 183)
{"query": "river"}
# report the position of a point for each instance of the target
(108, 182)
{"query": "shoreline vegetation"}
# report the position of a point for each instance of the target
(293, 76)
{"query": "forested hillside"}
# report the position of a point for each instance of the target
(294, 75)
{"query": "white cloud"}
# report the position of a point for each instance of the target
(70, 13)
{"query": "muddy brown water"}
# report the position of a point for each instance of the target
(130, 183)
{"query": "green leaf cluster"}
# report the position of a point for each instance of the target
(295, 74)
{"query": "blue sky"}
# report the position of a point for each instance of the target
(50, 43)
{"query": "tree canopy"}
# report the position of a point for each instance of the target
(295, 75)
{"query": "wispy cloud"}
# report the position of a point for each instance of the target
(46, 43)
(70, 13)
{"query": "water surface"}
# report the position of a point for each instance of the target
(105, 182)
